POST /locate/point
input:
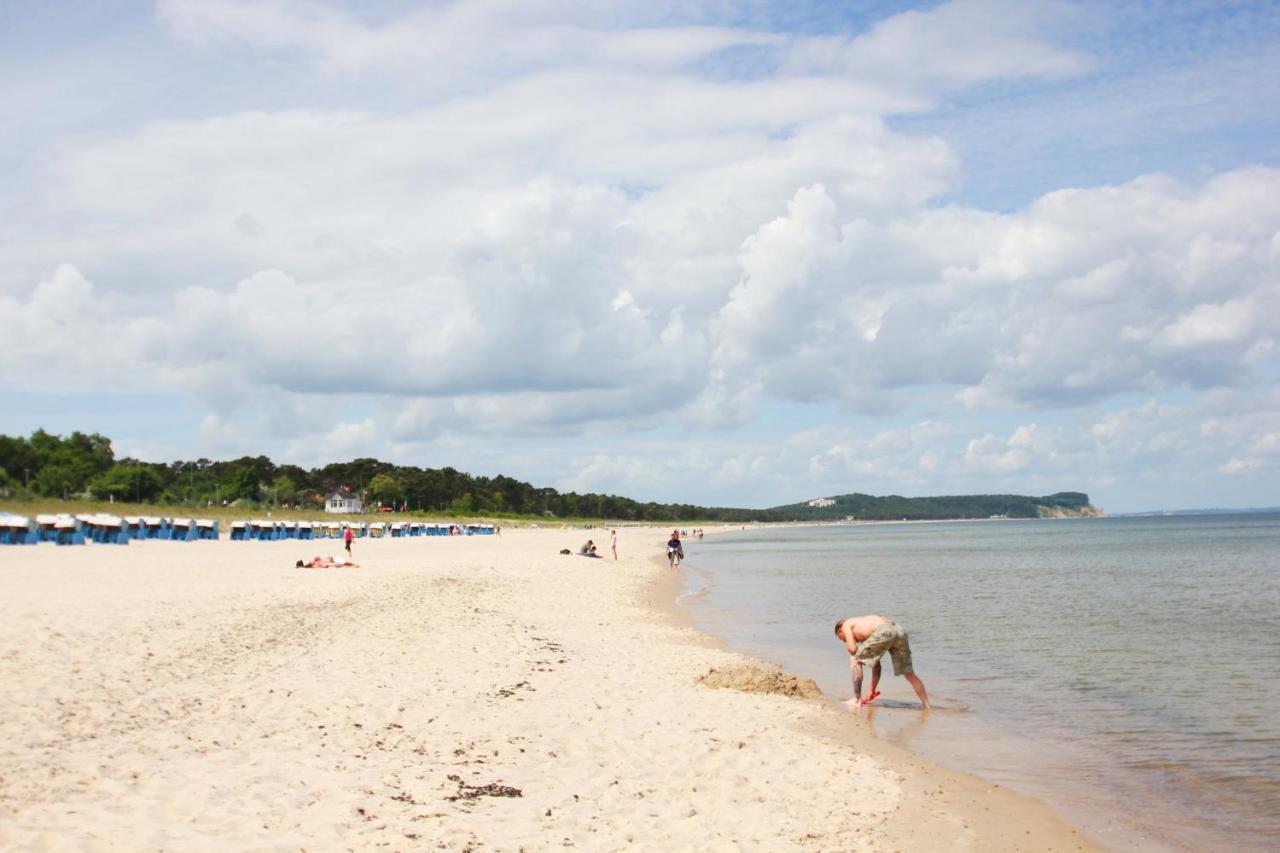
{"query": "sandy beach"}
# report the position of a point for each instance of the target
(463, 692)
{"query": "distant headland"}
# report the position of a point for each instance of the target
(859, 507)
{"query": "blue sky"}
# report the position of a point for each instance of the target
(726, 253)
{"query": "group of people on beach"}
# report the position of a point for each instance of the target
(589, 548)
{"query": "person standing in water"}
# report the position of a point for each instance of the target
(867, 638)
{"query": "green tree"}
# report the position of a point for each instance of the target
(19, 458)
(386, 489)
(63, 467)
(247, 485)
(58, 481)
(283, 489)
(127, 483)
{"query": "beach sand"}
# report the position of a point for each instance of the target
(463, 692)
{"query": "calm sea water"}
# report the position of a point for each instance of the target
(1124, 670)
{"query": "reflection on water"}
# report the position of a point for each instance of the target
(1125, 670)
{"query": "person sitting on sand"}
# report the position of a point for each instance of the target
(867, 638)
(318, 562)
(589, 550)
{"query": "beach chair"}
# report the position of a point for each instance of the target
(70, 530)
(108, 530)
(376, 530)
(206, 528)
(18, 530)
(239, 531)
(184, 530)
(45, 531)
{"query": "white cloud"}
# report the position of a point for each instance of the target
(951, 46)
(451, 38)
(1208, 324)
(343, 440)
(601, 233)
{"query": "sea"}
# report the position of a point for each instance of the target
(1125, 671)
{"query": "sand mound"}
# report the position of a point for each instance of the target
(761, 678)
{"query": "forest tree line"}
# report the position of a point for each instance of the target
(83, 466)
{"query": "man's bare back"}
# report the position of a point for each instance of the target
(862, 627)
(855, 632)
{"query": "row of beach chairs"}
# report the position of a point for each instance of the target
(102, 529)
(120, 530)
(269, 531)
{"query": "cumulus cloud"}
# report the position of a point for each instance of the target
(951, 46)
(447, 38)
(602, 233)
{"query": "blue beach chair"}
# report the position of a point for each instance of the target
(70, 531)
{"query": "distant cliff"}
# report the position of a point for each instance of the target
(894, 507)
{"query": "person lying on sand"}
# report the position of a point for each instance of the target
(318, 562)
(867, 638)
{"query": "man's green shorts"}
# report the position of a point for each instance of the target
(890, 638)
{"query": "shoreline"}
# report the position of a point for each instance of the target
(997, 816)
(1075, 775)
(457, 692)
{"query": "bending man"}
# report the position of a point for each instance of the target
(867, 638)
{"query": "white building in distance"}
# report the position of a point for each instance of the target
(821, 502)
(342, 501)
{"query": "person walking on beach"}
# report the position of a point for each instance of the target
(867, 638)
(613, 543)
(347, 536)
(675, 551)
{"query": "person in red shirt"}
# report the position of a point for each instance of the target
(347, 536)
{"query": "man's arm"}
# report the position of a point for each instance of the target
(856, 665)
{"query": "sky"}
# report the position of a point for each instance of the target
(726, 253)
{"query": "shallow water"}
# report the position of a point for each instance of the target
(1125, 670)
